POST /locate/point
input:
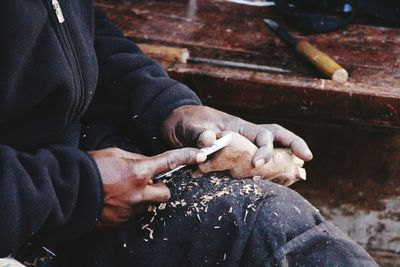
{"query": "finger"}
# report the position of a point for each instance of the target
(206, 138)
(112, 216)
(157, 192)
(219, 162)
(289, 139)
(261, 137)
(174, 158)
(196, 135)
(223, 133)
(265, 141)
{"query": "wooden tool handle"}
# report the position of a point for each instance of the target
(322, 61)
(165, 53)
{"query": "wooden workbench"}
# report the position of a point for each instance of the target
(222, 30)
(353, 179)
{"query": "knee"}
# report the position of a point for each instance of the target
(284, 200)
(285, 211)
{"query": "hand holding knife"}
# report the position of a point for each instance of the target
(218, 144)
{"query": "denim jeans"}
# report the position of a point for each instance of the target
(218, 221)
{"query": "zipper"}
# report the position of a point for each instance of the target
(58, 11)
(56, 14)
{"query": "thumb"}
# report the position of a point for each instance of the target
(157, 192)
(206, 138)
(174, 158)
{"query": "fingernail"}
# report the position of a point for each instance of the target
(309, 154)
(259, 163)
(206, 138)
(201, 157)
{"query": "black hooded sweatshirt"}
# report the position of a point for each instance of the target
(56, 60)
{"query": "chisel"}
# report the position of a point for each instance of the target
(317, 58)
(182, 55)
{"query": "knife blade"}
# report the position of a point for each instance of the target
(316, 57)
(218, 144)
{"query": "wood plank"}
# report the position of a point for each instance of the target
(371, 54)
(290, 96)
(244, 32)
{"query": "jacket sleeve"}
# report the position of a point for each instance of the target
(51, 196)
(131, 86)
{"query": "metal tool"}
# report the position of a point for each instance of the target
(182, 55)
(234, 64)
(254, 3)
(218, 144)
(317, 58)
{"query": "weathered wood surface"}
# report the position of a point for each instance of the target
(221, 30)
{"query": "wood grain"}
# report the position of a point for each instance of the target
(227, 31)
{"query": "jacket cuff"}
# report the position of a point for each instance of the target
(100, 188)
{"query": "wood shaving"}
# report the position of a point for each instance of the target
(151, 231)
(200, 201)
(245, 215)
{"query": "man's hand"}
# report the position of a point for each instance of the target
(284, 168)
(127, 180)
(199, 125)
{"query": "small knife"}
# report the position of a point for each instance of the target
(317, 58)
(218, 144)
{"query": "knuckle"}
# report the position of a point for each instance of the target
(188, 154)
(276, 126)
(171, 161)
(134, 170)
(265, 135)
(139, 173)
(108, 152)
(296, 140)
(114, 151)
(137, 197)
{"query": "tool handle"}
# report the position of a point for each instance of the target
(166, 53)
(322, 61)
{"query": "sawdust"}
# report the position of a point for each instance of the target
(222, 186)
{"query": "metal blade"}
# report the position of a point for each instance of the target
(234, 64)
(218, 144)
(281, 32)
